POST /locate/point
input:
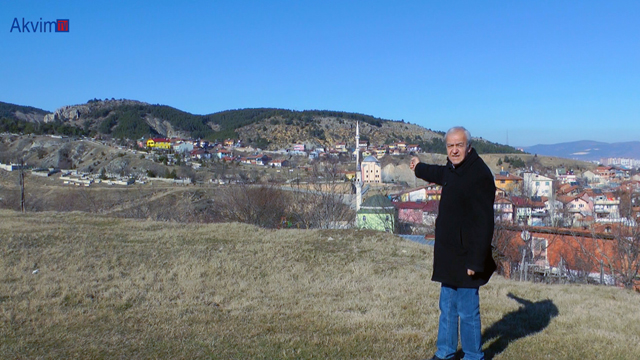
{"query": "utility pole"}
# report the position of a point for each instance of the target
(22, 185)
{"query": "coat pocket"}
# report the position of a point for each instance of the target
(460, 244)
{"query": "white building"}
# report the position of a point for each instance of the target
(606, 208)
(371, 170)
(183, 147)
(591, 177)
(565, 177)
(537, 185)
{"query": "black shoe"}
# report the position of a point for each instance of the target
(437, 358)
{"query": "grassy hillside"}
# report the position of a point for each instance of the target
(85, 287)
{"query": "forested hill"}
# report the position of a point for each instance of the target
(266, 128)
(19, 112)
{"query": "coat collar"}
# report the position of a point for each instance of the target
(471, 157)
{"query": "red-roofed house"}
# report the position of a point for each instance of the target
(410, 212)
(422, 193)
(503, 210)
(222, 153)
(280, 163)
(259, 159)
(522, 210)
(417, 212)
(199, 154)
(567, 189)
(606, 173)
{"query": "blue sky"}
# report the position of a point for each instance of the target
(526, 72)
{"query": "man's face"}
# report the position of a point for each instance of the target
(457, 147)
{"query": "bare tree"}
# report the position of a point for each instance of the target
(523, 253)
(626, 205)
(323, 202)
(262, 205)
(88, 200)
(619, 253)
(505, 254)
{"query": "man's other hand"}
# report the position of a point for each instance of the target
(414, 161)
(470, 272)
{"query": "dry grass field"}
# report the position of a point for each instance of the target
(80, 286)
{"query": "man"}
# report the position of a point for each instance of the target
(462, 259)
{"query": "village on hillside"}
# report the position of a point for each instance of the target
(558, 223)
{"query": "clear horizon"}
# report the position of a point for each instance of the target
(522, 74)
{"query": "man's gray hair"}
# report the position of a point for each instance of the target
(467, 134)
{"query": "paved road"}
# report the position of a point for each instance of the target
(419, 239)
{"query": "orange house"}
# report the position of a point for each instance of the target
(590, 251)
(606, 172)
(508, 182)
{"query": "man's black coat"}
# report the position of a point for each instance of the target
(464, 227)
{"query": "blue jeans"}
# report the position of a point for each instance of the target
(459, 305)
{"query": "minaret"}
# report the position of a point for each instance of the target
(357, 148)
(358, 172)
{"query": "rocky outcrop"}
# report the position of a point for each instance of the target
(119, 166)
(398, 171)
(30, 117)
(67, 113)
(165, 128)
(76, 112)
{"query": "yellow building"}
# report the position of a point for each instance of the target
(159, 143)
(350, 175)
(508, 182)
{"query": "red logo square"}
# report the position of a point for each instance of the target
(62, 25)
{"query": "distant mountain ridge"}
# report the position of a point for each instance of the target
(588, 150)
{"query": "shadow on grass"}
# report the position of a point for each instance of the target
(531, 318)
